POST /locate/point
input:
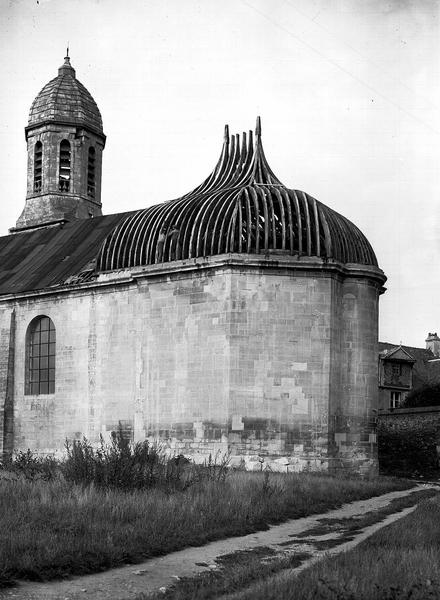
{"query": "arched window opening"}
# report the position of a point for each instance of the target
(91, 173)
(38, 166)
(65, 156)
(40, 357)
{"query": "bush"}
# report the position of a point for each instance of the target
(408, 451)
(31, 466)
(128, 466)
(117, 465)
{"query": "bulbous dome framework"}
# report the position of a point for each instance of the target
(65, 100)
(242, 207)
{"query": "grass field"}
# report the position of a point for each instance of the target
(401, 561)
(50, 529)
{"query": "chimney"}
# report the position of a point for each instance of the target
(433, 344)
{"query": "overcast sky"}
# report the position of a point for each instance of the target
(348, 92)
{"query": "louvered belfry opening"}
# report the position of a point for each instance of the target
(65, 165)
(91, 173)
(242, 207)
(38, 166)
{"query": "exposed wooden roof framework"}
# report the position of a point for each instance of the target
(242, 207)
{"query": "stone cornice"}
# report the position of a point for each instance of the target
(277, 263)
(54, 194)
(66, 123)
(271, 264)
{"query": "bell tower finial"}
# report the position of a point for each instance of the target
(67, 50)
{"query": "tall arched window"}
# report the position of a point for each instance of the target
(38, 166)
(91, 173)
(40, 357)
(65, 155)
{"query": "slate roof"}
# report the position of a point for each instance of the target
(398, 353)
(426, 369)
(65, 100)
(46, 257)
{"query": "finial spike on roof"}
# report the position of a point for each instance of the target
(67, 52)
(226, 136)
(251, 140)
(66, 68)
(258, 128)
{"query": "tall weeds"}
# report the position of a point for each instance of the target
(30, 466)
(118, 465)
(127, 466)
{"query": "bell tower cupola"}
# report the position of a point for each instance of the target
(65, 141)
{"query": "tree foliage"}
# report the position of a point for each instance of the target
(428, 395)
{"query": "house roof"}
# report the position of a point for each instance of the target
(416, 353)
(46, 257)
(398, 353)
(426, 368)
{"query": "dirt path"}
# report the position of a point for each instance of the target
(125, 583)
(342, 547)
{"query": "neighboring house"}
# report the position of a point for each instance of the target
(405, 368)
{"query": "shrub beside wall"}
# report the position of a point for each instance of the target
(409, 442)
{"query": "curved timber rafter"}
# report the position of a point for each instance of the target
(241, 207)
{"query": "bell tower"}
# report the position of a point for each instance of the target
(65, 141)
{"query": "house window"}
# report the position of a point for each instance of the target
(91, 173)
(38, 166)
(395, 399)
(65, 156)
(40, 356)
(397, 369)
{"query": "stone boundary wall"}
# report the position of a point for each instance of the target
(409, 441)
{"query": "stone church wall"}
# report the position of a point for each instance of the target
(280, 348)
(354, 408)
(270, 365)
